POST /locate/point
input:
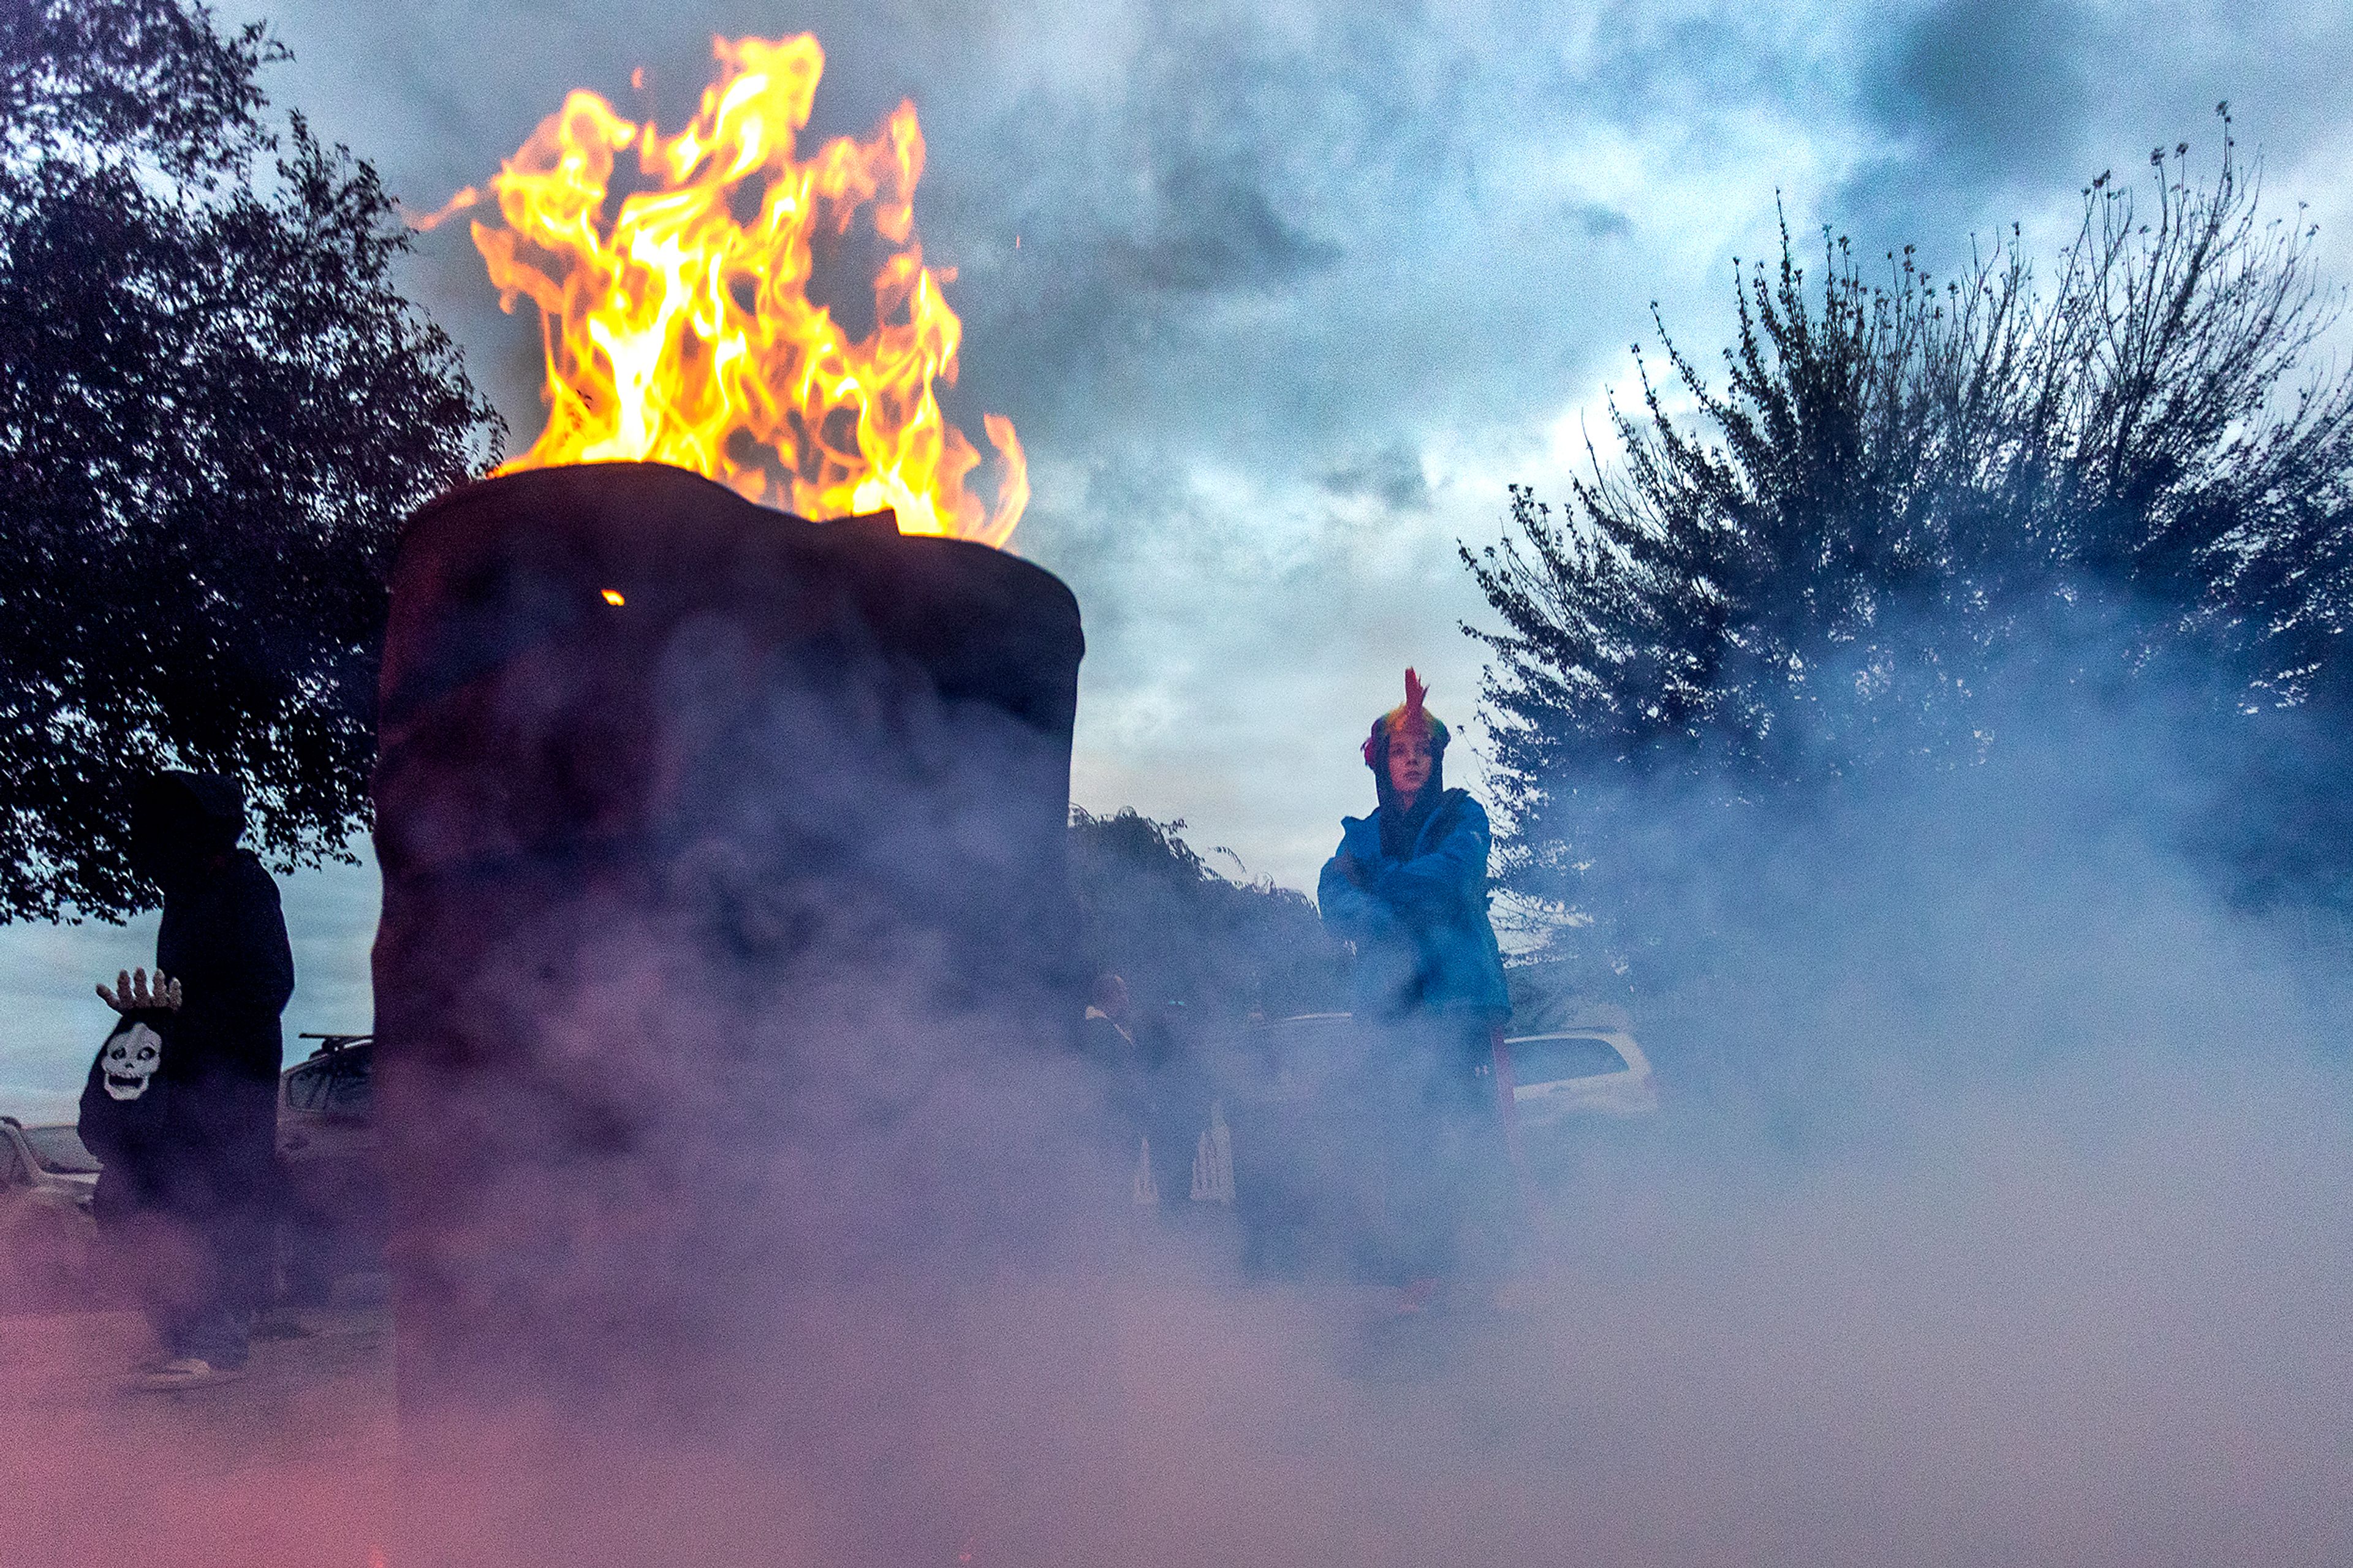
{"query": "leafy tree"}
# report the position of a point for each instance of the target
(215, 409)
(1151, 910)
(1904, 496)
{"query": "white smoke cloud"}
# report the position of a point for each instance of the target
(1995, 1213)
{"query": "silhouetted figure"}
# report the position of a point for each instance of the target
(1158, 1109)
(1108, 1039)
(191, 1199)
(1107, 1034)
(1176, 1101)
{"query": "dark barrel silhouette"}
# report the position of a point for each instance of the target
(723, 859)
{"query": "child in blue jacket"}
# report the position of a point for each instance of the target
(1408, 888)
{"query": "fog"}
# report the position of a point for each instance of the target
(1994, 1213)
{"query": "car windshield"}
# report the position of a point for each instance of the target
(1577, 1056)
(336, 1083)
(59, 1150)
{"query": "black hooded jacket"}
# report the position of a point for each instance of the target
(223, 937)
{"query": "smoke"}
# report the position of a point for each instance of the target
(1994, 1214)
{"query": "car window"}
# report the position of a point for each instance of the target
(347, 1091)
(12, 1169)
(60, 1151)
(307, 1086)
(336, 1085)
(1577, 1056)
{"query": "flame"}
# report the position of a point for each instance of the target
(678, 332)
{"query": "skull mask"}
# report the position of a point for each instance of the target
(130, 1059)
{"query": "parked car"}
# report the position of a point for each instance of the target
(1297, 1095)
(1597, 1071)
(1300, 1060)
(1310, 1169)
(46, 1181)
(333, 1220)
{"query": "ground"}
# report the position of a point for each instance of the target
(1173, 1404)
(290, 1465)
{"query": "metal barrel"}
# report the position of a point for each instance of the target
(723, 874)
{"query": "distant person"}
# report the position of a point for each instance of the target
(194, 1206)
(1108, 1034)
(1409, 888)
(1105, 1030)
(1153, 1097)
(1177, 1101)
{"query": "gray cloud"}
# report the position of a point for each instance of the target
(1599, 222)
(1215, 230)
(1394, 476)
(1300, 287)
(1983, 88)
(1973, 115)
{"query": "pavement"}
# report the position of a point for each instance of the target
(290, 1465)
(1181, 1410)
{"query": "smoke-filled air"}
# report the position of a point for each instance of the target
(1642, 858)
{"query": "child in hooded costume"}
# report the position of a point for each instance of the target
(1409, 888)
(188, 1190)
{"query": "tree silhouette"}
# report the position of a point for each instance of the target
(1151, 910)
(1907, 496)
(215, 408)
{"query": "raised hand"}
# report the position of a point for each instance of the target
(131, 994)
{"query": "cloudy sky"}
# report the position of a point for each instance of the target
(1301, 288)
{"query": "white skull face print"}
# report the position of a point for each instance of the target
(130, 1059)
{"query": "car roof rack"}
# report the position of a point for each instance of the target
(330, 1044)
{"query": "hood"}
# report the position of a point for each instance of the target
(180, 820)
(1385, 794)
(1399, 825)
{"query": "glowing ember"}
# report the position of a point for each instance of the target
(678, 333)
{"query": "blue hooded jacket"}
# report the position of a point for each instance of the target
(1419, 924)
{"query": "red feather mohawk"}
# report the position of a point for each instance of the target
(1409, 712)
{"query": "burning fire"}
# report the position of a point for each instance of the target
(679, 332)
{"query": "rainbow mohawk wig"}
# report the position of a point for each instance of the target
(1409, 712)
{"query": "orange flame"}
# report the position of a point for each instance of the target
(679, 333)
